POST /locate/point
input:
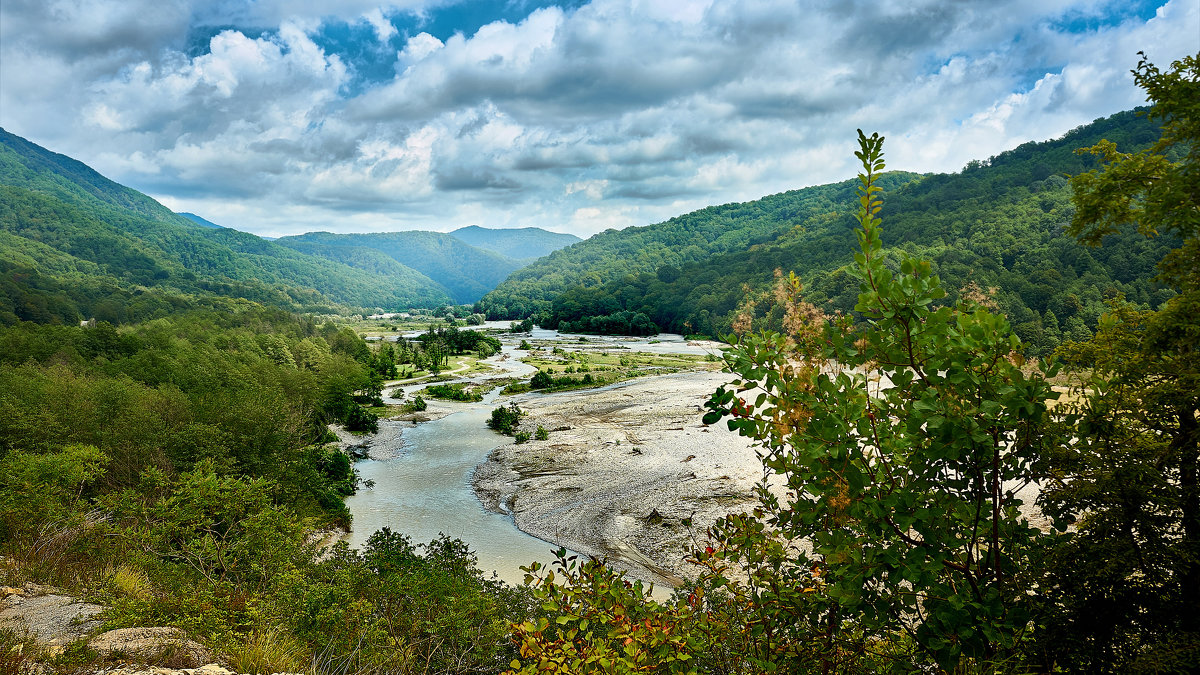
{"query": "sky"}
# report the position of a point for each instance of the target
(286, 116)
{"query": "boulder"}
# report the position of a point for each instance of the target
(53, 620)
(152, 645)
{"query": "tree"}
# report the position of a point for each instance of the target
(1124, 591)
(902, 441)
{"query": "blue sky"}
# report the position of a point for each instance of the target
(286, 116)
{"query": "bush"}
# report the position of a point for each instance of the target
(542, 434)
(418, 404)
(454, 392)
(541, 380)
(359, 418)
(523, 437)
(505, 419)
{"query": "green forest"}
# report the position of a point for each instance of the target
(997, 227)
(172, 459)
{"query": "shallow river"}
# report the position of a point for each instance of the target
(425, 489)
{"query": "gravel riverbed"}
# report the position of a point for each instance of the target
(621, 471)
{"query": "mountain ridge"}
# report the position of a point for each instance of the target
(999, 223)
(95, 247)
(524, 243)
(464, 271)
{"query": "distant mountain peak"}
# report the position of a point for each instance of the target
(525, 243)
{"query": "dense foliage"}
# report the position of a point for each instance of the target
(997, 227)
(176, 470)
(1124, 590)
(623, 322)
(505, 419)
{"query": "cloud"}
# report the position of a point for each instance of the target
(286, 116)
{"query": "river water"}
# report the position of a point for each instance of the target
(424, 488)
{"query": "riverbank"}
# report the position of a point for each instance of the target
(622, 471)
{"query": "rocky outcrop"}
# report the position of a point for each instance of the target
(210, 669)
(152, 645)
(54, 619)
(48, 615)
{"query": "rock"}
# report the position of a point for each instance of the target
(52, 620)
(209, 669)
(152, 645)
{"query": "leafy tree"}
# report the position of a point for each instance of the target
(541, 380)
(1124, 592)
(902, 441)
(505, 419)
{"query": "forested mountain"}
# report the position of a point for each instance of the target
(682, 240)
(464, 271)
(74, 245)
(998, 224)
(526, 243)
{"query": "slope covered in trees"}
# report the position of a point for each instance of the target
(998, 224)
(526, 243)
(665, 247)
(90, 247)
(464, 271)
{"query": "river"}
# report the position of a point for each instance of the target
(423, 488)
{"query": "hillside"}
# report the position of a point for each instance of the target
(997, 224)
(526, 243)
(683, 240)
(74, 244)
(464, 271)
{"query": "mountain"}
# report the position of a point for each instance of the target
(998, 224)
(462, 270)
(202, 222)
(74, 244)
(683, 240)
(526, 243)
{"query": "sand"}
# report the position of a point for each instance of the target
(623, 468)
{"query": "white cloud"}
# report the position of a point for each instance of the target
(619, 112)
(384, 30)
